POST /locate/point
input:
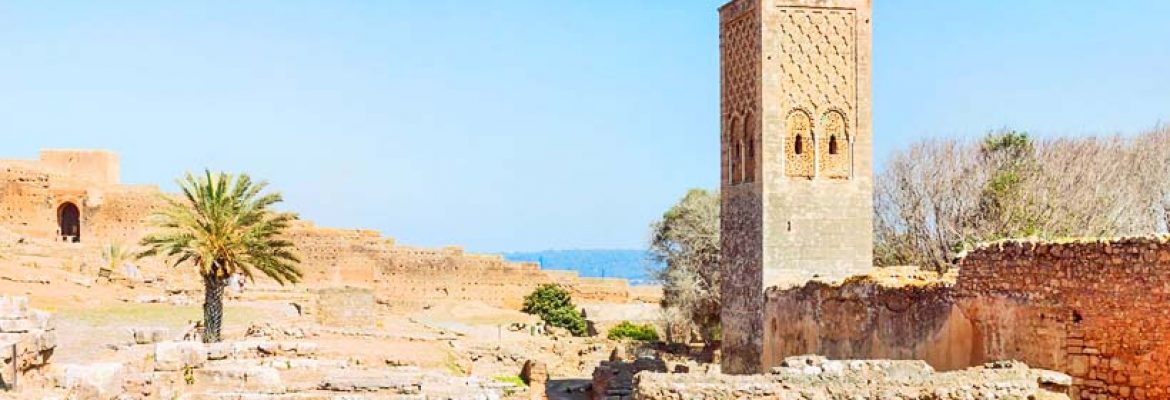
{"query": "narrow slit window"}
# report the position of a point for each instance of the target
(833, 144)
(798, 147)
(742, 164)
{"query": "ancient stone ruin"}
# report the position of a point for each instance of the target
(75, 197)
(1094, 309)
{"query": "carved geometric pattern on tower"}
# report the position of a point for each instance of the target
(739, 47)
(818, 72)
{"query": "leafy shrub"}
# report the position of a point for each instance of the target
(555, 306)
(627, 330)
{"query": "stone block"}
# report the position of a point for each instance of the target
(403, 383)
(13, 307)
(44, 320)
(257, 379)
(149, 335)
(46, 340)
(219, 351)
(174, 356)
(17, 325)
(103, 379)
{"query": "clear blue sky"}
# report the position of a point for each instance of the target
(521, 125)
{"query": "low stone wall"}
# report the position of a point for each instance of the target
(868, 319)
(1097, 310)
(817, 378)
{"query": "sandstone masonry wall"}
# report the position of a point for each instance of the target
(1096, 310)
(29, 335)
(865, 319)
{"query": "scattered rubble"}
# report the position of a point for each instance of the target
(27, 338)
(813, 377)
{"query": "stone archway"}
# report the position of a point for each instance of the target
(69, 222)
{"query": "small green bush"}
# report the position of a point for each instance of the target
(626, 330)
(513, 379)
(555, 306)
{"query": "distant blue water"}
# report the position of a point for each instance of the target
(633, 265)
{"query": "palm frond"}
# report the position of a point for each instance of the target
(223, 225)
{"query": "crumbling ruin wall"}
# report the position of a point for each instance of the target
(28, 338)
(99, 167)
(32, 194)
(26, 201)
(1096, 310)
(331, 257)
(415, 276)
(120, 215)
(865, 319)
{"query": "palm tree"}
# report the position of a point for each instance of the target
(223, 225)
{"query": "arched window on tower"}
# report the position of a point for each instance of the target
(836, 155)
(751, 158)
(742, 171)
(732, 157)
(747, 134)
(798, 154)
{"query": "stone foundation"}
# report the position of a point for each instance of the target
(817, 378)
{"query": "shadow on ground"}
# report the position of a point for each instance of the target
(567, 389)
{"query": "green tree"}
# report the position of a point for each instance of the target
(554, 305)
(1004, 204)
(223, 225)
(686, 241)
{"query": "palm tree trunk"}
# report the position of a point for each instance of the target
(212, 308)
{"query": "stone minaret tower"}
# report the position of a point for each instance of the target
(797, 180)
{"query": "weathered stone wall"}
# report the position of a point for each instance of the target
(27, 338)
(32, 194)
(1097, 310)
(413, 277)
(866, 319)
(27, 203)
(100, 167)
